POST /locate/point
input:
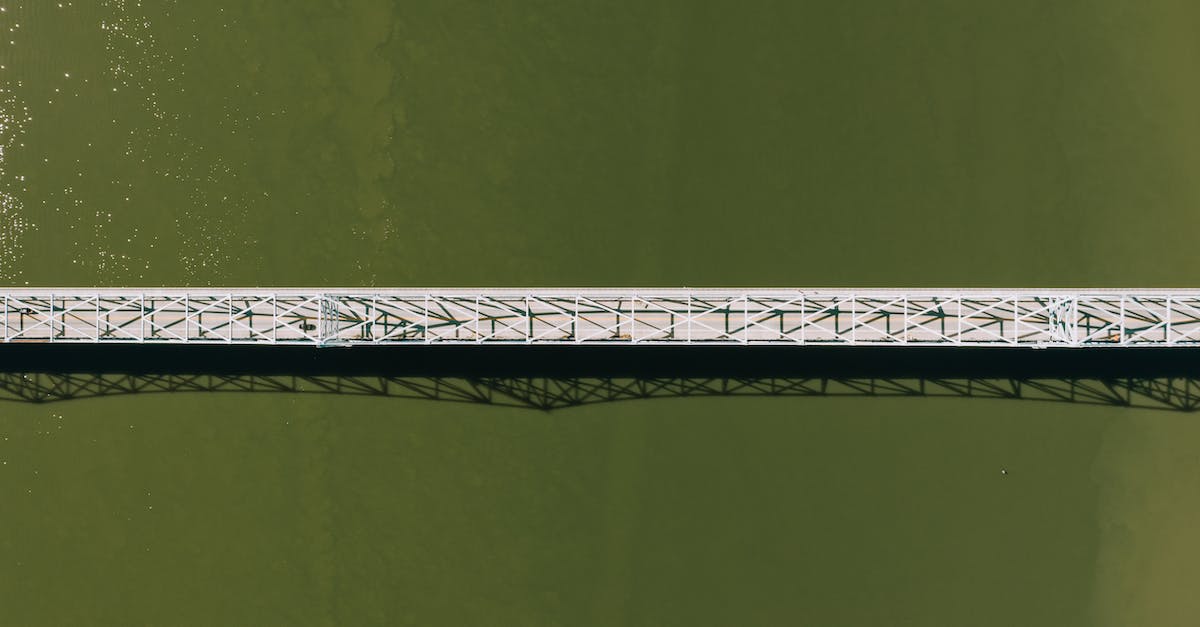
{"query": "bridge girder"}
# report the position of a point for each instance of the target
(875, 317)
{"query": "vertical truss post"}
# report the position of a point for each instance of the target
(689, 318)
(746, 317)
(1016, 331)
(1074, 321)
(632, 319)
(745, 328)
(425, 324)
(1170, 337)
(853, 322)
(1121, 337)
(330, 313)
(804, 319)
(373, 318)
(959, 317)
(528, 326)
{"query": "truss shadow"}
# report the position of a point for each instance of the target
(548, 378)
(549, 393)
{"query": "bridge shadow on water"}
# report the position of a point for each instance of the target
(553, 377)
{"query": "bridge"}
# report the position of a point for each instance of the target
(1039, 318)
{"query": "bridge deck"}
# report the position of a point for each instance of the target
(900, 317)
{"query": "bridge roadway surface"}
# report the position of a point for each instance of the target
(605, 316)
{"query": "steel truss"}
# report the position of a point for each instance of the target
(876, 317)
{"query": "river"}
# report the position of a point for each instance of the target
(666, 143)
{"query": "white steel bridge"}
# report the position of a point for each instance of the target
(605, 316)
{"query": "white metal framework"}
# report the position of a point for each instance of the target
(596, 316)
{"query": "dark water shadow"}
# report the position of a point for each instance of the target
(553, 377)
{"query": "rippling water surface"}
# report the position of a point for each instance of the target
(381, 142)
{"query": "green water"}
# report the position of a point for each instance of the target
(264, 142)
